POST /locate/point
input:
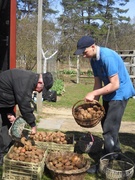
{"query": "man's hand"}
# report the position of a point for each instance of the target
(11, 118)
(90, 96)
(33, 130)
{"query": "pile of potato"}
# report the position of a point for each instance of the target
(56, 137)
(67, 161)
(87, 112)
(26, 152)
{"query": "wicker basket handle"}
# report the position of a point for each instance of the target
(119, 154)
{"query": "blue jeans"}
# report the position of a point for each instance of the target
(111, 124)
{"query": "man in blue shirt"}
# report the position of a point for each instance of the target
(112, 81)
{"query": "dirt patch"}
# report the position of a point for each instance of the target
(66, 114)
(52, 110)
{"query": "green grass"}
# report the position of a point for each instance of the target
(73, 93)
(129, 114)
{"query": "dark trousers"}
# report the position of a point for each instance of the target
(5, 139)
(111, 124)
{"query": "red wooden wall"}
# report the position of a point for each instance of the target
(12, 45)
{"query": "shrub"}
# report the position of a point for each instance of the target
(70, 72)
(58, 86)
(89, 73)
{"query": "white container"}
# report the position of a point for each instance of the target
(127, 64)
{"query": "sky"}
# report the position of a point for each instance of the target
(131, 7)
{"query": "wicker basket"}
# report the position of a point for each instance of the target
(57, 174)
(116, 169)
(92, 118)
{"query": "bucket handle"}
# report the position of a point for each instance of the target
(92, 138)
(120, 154)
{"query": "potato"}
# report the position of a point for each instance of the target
(23, 139)
(65, 160)
(10, 155)
(68, 163)
(90, 109)
(65, 142)
(55, 162)
(22, 150)
(79, 165)
(36, 161)
(60, 168)
(22, 158)
(68, 167)
(89, 116)
(14, 149)
(80, 117)
(81, 111)
(59, 165)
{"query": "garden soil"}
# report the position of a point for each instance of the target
(61, 119)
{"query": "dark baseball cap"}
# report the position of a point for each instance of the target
(83, 43)
(48, 80)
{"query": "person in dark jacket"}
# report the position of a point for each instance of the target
(16, 88)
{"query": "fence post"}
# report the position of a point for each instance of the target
(78, 69)
(39, 52)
